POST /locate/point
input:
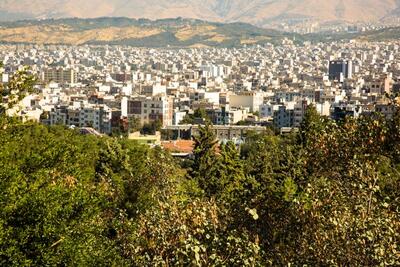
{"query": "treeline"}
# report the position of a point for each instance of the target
(326, 196)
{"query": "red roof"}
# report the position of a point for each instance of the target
(180, 146)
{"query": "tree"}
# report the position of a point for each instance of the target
(133, 124)
(20, 85)
(229, 172)
(311, 124)
(204, 153)
(198, 114)
(194, 233)
(244, 122)
(393, 140)
(53, 212)
(151, 128)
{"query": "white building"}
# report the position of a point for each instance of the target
(251, 100)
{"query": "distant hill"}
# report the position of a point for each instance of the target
(257, 12)
(137, 32)
(381, 35)
(386, 34)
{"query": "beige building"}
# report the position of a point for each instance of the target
(149, 109)
(59, 75)
(251, 100)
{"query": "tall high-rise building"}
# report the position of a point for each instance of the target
(340, 70)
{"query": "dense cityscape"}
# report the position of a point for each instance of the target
(240, 89)
(199, 133)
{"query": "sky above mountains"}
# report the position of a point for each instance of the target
(258, 12)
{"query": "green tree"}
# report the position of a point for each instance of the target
(52, 211)
(199, 114)
(151, 128)
(231, 185)
(20, 85)
(133, 124)
(194, 233)
(204, 153)
(311, 125)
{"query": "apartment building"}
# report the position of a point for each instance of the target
(97, 117)
(149, 109)
(59, 75)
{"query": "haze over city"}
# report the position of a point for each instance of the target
(258, 12)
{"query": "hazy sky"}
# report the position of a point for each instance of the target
(258, 12)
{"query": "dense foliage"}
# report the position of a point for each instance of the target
(199, 115)
(328, 195)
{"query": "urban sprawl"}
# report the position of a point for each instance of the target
(102, 89)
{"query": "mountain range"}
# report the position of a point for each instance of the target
(256, 12)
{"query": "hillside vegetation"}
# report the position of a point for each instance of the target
(386, 34)
(123, 31)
